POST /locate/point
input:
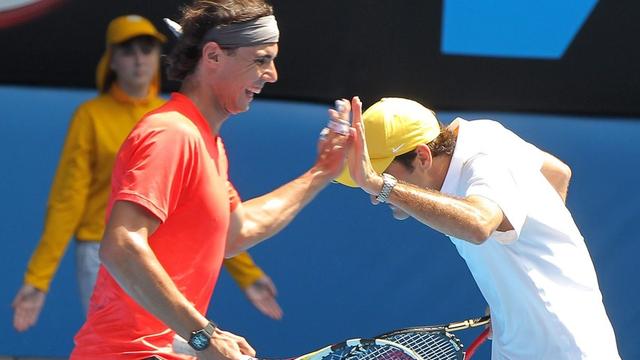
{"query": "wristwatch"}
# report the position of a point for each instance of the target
(388, 183)
(200, 339)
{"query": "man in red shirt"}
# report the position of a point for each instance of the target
(173, 214)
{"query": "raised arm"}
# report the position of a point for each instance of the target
(473, 218)
(260, 218)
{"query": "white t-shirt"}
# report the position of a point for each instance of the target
(538, 279)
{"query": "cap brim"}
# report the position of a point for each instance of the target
(156, 35)
(160, 37)
(379, 165)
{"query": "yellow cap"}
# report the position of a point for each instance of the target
(392, 127)
(120, 30)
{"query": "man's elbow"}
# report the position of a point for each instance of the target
(479, 235)
(482, 231)
(230, 252)
(232, 248)
(107, 254)
(243, 238)
(112, 253)
(557, 169)
(566, 173)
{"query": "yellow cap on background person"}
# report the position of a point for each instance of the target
(121, 29)
(392, 127)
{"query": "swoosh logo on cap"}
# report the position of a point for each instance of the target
(395, 149)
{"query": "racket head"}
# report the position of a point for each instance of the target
(435, 342)
(363, 349)
(428, 344)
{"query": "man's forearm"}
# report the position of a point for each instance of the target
(266, 215)
(138, 272)
(461, 218)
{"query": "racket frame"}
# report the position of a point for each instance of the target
(446, 330)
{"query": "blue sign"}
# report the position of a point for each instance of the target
(512, 28)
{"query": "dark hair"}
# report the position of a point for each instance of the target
(445, 143)
(197, 19)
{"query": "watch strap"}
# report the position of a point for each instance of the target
(201, 339)
(210, 328)
(388, 183)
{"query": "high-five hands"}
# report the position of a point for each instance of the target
(359, 162)
(334, 140)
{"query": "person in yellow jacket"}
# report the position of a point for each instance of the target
(128, 79)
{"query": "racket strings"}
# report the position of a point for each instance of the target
(369, 352)
(430, 346)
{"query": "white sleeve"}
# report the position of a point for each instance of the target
(485, 176)
(522, 154)
(534, 156)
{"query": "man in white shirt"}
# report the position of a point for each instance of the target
(501, 201)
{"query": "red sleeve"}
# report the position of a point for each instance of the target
(154, 166)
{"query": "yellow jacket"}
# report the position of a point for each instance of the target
(81, 186)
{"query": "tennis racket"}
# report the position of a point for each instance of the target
(437, 342)
(359, 349)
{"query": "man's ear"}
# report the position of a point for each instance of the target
(211, 53)
(424, 157)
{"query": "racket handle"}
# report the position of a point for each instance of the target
(247, 357)
(484, 335)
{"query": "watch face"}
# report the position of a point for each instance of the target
(199, 340)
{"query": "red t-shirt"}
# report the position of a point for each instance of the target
(175, 168)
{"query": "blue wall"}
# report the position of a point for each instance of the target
(343, 268)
